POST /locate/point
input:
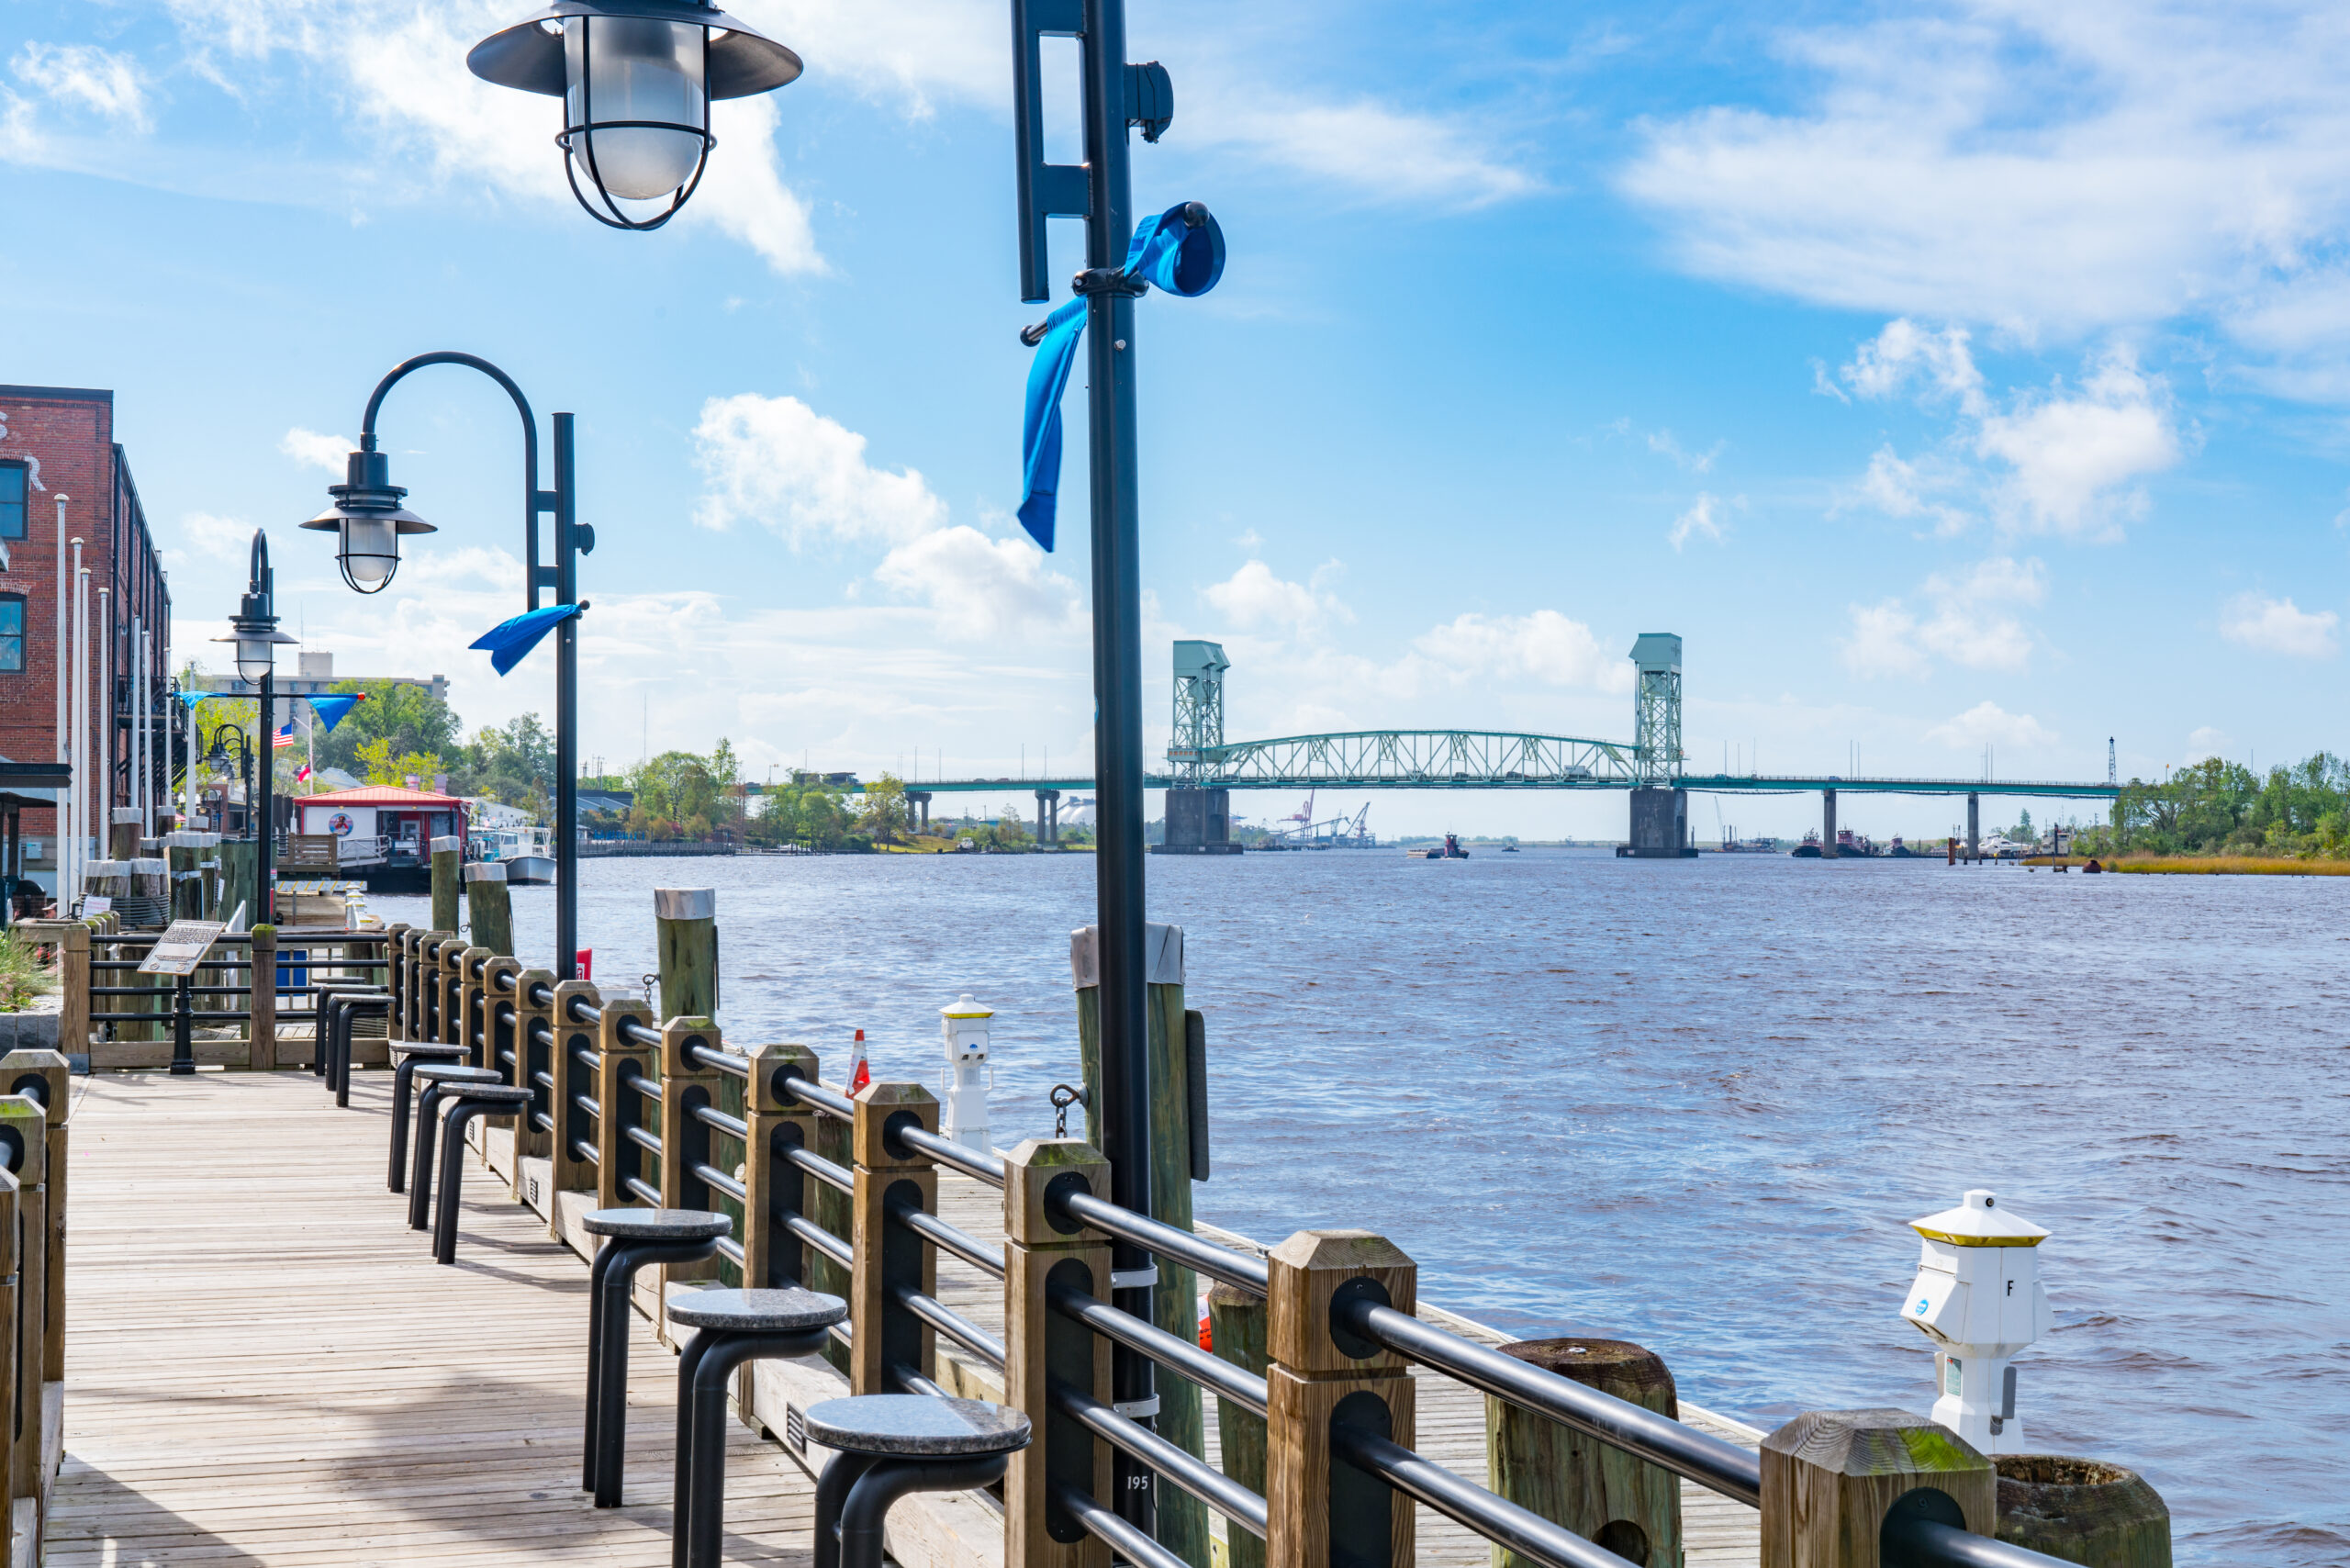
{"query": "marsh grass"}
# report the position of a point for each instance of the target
(22, 977)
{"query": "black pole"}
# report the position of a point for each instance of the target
(1117, 731)
(183, 1031)
(566, 711)
(264, 766)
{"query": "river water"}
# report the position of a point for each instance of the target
(1694, 1103)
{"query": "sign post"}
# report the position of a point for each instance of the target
(177, 952)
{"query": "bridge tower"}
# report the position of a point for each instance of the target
(1659, 809)
(1198, 819)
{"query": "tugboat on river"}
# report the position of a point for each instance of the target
(1451, 850)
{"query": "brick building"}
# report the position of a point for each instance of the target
(57, 442)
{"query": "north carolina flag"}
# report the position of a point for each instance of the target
(302, 774)
(284, 737)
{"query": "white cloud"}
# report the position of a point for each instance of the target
(1986, 722)
(400, 69)
(1544, 646)
(1663, 444)
(1971, 623)
(2205, 742)
(2069, 458)
(1254, 597)
(1376, 152)
(313, 449)
(2075, 458)
(106, 83)
(776, 462)
(981, 588)
(2072, 166)
(203, 535)
(2278, 626)
(1699, 518)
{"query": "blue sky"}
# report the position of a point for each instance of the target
(1948, 377)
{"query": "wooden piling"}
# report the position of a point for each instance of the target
(187, 887)
(238, 866)
(1603, 1494)
(489, 908)
(1237, 1331)
(1830, 1476)
(1040, 1344)
(124, 833)
(883, 1335)
(686, 923)
(1321, 1509)
(261, 1000)
(2082, 1511)
(445, 852)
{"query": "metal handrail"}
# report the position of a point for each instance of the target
(506, 980)
(1911, 1538)
(650, 1142)
(582, 1150)
(947, 1237)
(1235, 1268)
(588, 1105)
(593, 1060)
(822, 1240)
(643, 1189)
(952, 1324)
(1496, 1519)
(1127, 1539)
(1723, 1467)
(732, 1126)
(732, 1251)
(635, 1032)
(1172, 1352)
(824, 1169)
(716, 1177)
(840, 1107)
(647, 1085)
(1215, 1488)
(722, 1061)
(988, 1168)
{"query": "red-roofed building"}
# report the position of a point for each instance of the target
(383, 831)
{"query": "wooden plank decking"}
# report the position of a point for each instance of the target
(265, 1366)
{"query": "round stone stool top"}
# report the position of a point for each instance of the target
(656, 1224)
(455, 1072)
(757, 1312)
(430, 1050)
(487, 1093)
(916, 1426)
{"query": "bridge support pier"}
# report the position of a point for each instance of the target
(1661, 825)
(1974, 827)
(1199, 821)
(918, 807)
(1048, 816)
(1828, 824)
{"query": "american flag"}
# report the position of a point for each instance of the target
(284, 737)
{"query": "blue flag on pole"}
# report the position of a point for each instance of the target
(509, 641)
(1169, 252)
(333, 711)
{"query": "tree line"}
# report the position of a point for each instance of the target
(2216, 807)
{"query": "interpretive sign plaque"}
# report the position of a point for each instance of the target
(182, 946)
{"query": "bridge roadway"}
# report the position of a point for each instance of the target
(1707, 783)
(265, 1366)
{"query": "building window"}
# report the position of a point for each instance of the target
(12, 631)
(12, 504)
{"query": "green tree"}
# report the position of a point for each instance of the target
(409, 717)
(882, 814)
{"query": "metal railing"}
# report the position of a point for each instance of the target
(1362, 1317)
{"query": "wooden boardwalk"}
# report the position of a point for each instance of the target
(265, 1366)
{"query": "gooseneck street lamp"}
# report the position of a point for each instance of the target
(369, 521)
(222, 755)
(253, 630)
(636, 78)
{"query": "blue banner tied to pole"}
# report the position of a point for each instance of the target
(1180, 251)
(509, 641)
(333, 710)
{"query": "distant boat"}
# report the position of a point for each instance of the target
(1451, 850)
(1808, 849)
(524, 852)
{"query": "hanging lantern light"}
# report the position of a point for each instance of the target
(636, 78)
(369, 518)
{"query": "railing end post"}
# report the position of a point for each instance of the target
(1830, 1477)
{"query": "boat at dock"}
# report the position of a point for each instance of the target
(524, 851)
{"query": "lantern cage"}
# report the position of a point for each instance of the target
(368, 520)
(637, 78)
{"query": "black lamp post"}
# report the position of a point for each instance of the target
(254, 628)
(222, 754)
(636, 78)
(369, 520)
